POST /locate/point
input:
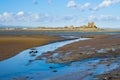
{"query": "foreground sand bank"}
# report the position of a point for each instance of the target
(103, 46)
(11, 45)
(98, 46)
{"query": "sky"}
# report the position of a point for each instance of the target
(60, 13)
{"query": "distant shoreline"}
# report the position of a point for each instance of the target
(61, 30)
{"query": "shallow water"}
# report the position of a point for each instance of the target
(56, 33)
(18, 65)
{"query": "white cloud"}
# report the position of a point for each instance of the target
(19, 17)
(6, 17)
(37, 1)
(98, 18)
(85, 6)
(21, 13)
(106, 3)
(109, 17)
(27, 17)
(71, 4)
(103, 18)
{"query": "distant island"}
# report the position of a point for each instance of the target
(90, 27)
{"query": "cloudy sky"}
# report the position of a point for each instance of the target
(105, 13)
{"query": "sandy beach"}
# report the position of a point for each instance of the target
(10, 45)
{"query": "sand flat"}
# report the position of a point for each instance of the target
(11, 45)
(108, 44)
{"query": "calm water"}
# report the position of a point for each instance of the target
(55, 33)
(18, 65)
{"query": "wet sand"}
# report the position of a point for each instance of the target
(112, 75)
(100, 46)
(10, 45)
(105, 45)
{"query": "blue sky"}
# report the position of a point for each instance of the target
(59, 13)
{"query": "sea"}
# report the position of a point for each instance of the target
(56, 32)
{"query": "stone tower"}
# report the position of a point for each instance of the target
(91, 25)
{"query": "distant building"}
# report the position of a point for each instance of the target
(71, 27)
(91, 25)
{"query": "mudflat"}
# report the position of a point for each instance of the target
(98, 46)
(10, 45)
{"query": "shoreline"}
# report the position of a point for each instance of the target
(12, 44)
(7, 41)
(99, 46)
(66, 30)
(104, 46)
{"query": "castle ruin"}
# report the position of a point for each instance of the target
(91, 25)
